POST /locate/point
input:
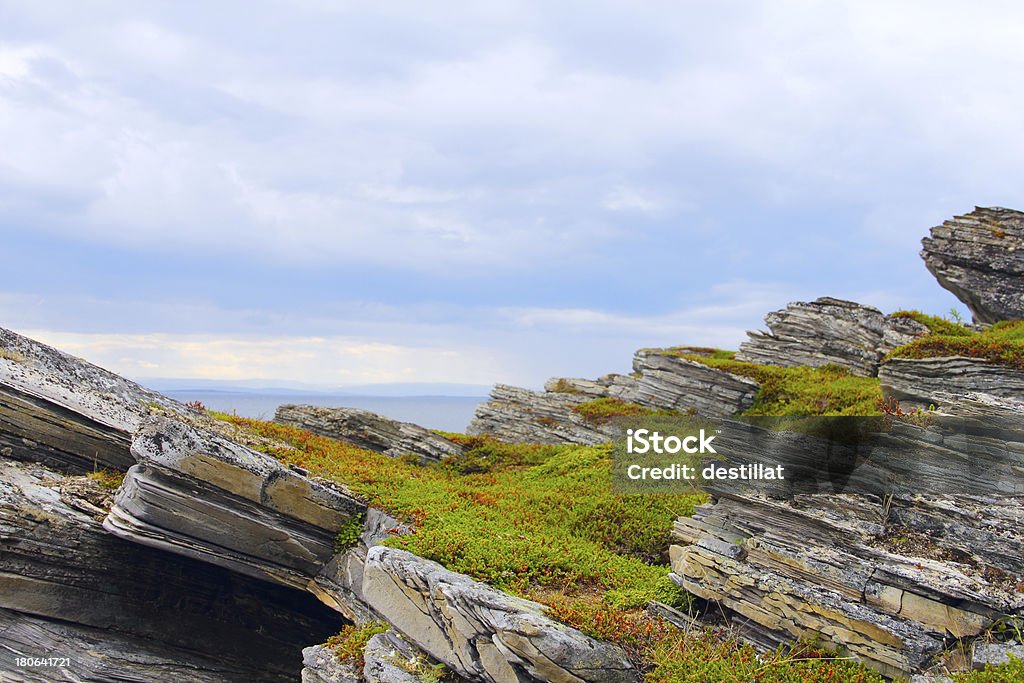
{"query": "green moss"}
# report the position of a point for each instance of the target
(350, 643)
(602, 410)
(108, 479)
(936, 324)
(997, 346)
(348, 535)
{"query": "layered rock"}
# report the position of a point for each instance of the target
(923, 382)
(120, 611)
(979, 257)
(369, 430)
(883, 542)
(829, 331)
(198, 494)
(661, 380)
(480, 632)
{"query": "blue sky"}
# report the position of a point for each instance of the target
(338, 193)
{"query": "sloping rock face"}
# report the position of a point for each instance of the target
(369, 430)
(979, 257)
(480, 632)
(883, 547)
(829, 330)
(198, 494)
(119, 611)
(660, 380)
(65, 412)
(923, 382)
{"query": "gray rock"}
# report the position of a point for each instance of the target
(922, 382)
(198, 494)
(916, 540)
(369, 430)
(522, 416)
(826, 331)
(321, 665)
(480, 632)
(667, 381)
(994, 654)
(390, 658)
(124, 612)
(979, 257)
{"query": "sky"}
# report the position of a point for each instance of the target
(332, 193)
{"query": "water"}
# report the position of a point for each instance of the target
(448, 413)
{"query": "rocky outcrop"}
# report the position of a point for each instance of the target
(120, 611)
(480, 632)
(923, 382)
(829, 331)
(369, 430)
(198, 494)
(661, 380)
(885, 540)
(390, 658)
(979, 257)
(321, 665)
(522, 416)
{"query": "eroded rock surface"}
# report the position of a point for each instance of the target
(826, 331)
(120, 611)
(979, 257)
(369, 430)
(198, 494)
(884, 547)
(923, 382)
(480, 632)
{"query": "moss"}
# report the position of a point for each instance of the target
(563, 386)
(348, 535)
(350, 643)
(997, 346)
(602, 410)
(1002, 673)
(108, 479)
(936, 324)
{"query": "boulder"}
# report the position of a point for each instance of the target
(480, 632)
(666, 381)
(979, 257)
(197, 494)
(120, 611)
(523, 416)
(369, 430)
(829, 331)
(923, 382)
(321, 665)
(994, 654)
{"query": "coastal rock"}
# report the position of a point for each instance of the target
(480, 632)
(994, 654)
(922, 382)
(120, 611)
(198, 494)
(666, 381)
(65, 412)
(523, 416)
(826, 331)
(886, 538)
(321, 665)
(979, 257)
(369, 430)
(389, 658)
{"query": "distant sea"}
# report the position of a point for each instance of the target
(448, 413)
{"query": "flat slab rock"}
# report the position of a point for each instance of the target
(198, 494)
(829, 331)
(369, 430)
(979, 257)
(480, 632)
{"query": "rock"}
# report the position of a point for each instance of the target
(661, 380)
(369, 430)
(829, 331)
(321, 665)
(65, 412)
(994, 654)
(885, 544)
(920, 382)
(391, 659)
(667, 381)
(120, 611)
(522, 416)
(480, 632)
(979, 257)
(198, 494)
